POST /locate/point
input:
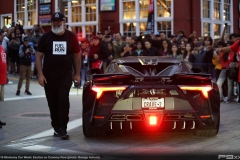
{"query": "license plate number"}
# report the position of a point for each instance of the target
(152, 102)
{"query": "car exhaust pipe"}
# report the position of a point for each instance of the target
(184, 125)
(174, 125)
(193, 127)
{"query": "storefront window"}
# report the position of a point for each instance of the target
(129, 9)
(76, 11)
(206, 29)
(216, 11)
(143, 5)
(206, 8)
(30, 6)
(221, 14)
(165, 26)
(226, 10)
(91, 10)
(135, 13)
(83, 24)
(217, 30)
(129, 29)
(164, 8)
(143, 26)
(20, 11)
(90, 30)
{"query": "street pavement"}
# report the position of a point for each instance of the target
(28, 132)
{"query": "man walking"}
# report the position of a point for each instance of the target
(59, 47)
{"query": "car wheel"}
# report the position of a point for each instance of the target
(86, 133)
(207, 132)
(89, 134)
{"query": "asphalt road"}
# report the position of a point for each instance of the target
(28, 132)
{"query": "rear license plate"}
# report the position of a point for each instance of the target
(153, 102)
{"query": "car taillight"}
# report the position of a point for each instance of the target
(205, 116)
(203, 89)
(101, 89)
(153, 120)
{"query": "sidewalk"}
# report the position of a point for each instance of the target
(36, 90)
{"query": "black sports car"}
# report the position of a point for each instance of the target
(150, 94)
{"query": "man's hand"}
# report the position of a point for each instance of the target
(126, 49)
(77, 78)
(27, 50)
(85, 53)
(42, 80)
(110, 57)
(218, 50)
(209, 48)
(214, 54)
(95, 56)
(114, 43)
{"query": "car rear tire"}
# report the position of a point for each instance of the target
(207, 132)
(89, 134)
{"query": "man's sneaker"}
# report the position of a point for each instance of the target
(2, 123)
(28, 93)
(225, 99)
(56, 133)
(235, 99)
(18, 93)
(64, 134)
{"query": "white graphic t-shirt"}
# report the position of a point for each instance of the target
(59, 48)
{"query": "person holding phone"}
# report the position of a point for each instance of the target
(25, 53)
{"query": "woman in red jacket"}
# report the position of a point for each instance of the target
(3, 75)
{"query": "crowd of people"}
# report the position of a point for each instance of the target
(197, 52)
(20, 46)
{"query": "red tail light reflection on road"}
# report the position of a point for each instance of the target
(204, 89)
(100, 89)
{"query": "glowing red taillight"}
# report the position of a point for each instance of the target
(204, 89)
(101, 89)
(205, 116)
(152, 120)
(98, 117)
